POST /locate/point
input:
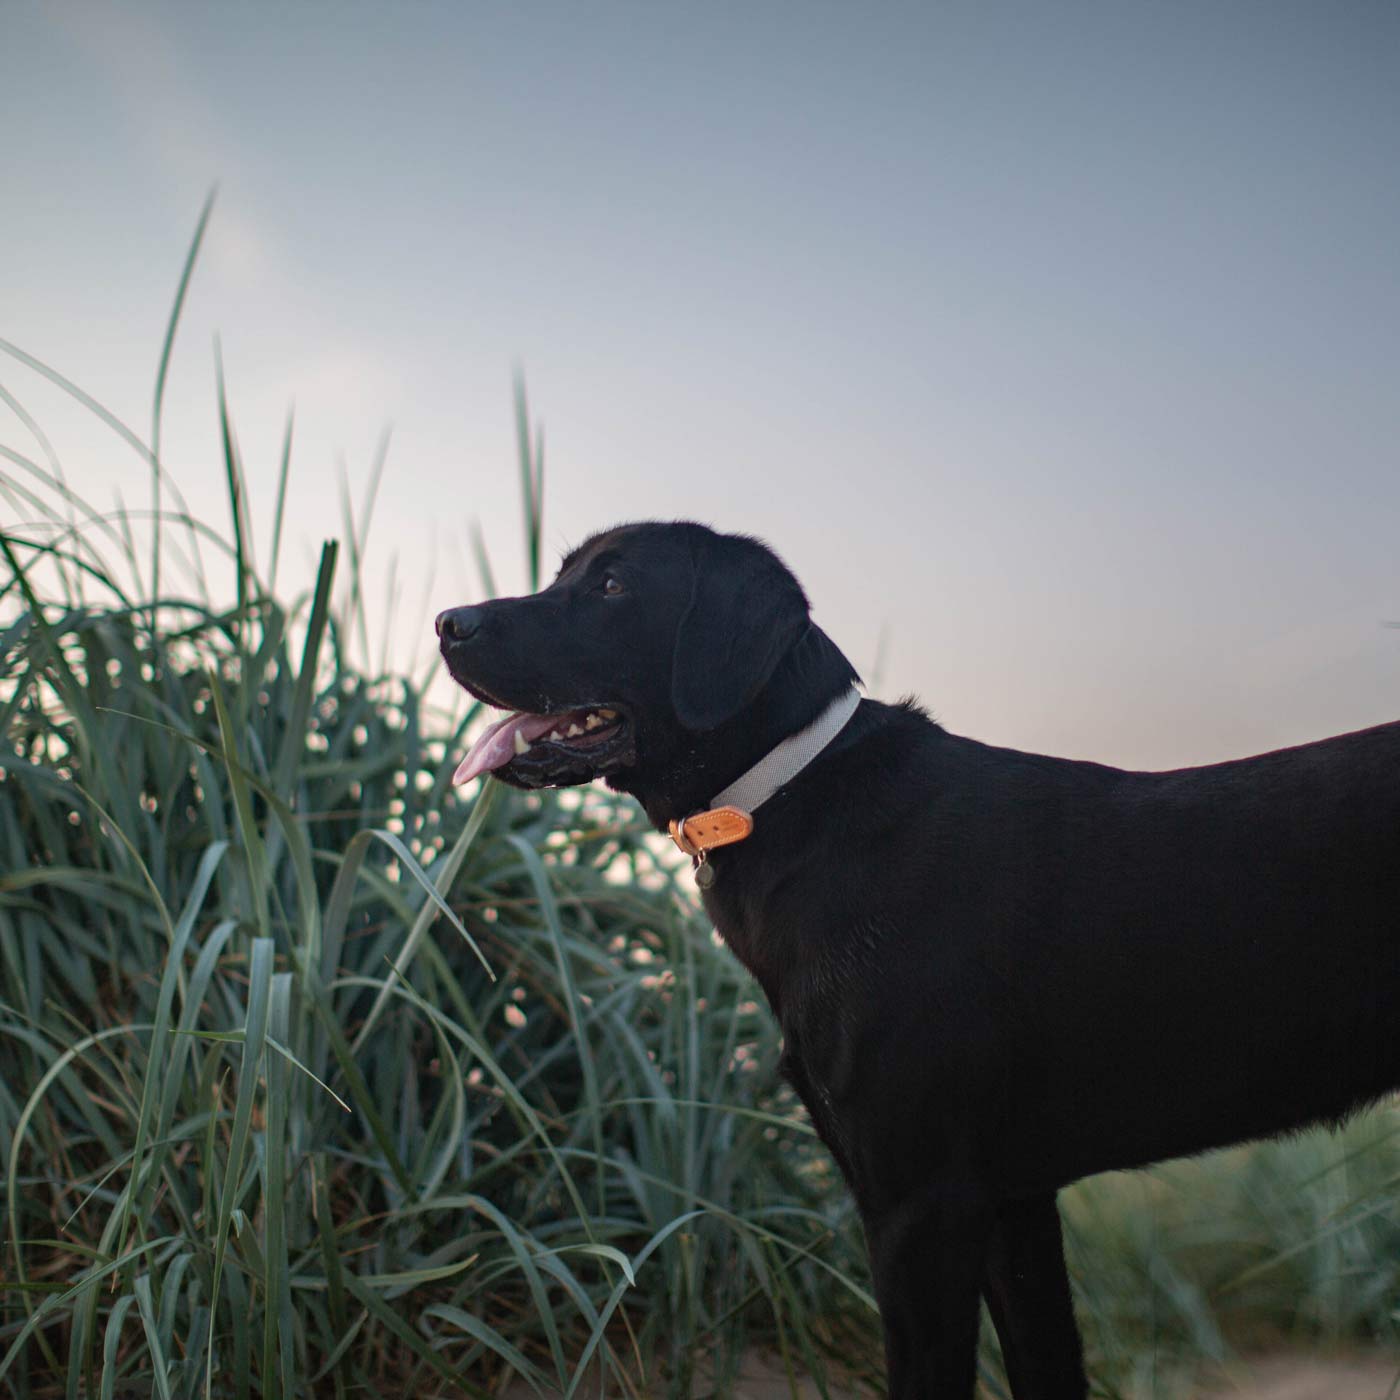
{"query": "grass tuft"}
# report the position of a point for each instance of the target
(318, 1077)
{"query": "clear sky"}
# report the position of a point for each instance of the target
(1057, 343)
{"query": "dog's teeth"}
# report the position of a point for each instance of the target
(555, 735)
(592, 722)
(574, 729)
(608, 714)
(522, 744)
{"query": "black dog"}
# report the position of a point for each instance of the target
(995, 972)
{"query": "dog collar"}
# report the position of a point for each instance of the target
(730, 819)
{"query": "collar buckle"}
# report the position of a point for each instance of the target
(701, 832)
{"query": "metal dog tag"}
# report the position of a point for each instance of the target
(704, 874)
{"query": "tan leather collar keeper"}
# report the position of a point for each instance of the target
(703, 831)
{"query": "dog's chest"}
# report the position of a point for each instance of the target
(808, 959)
(772, 928)
(740, 922)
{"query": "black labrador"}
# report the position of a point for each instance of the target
(995, 972)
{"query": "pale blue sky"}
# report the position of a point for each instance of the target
(1060, 342)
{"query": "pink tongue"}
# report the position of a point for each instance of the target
(496, 747)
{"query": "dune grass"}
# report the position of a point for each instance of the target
(318, 1077)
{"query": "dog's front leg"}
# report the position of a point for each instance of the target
(1027, 1292)
(927, 1253)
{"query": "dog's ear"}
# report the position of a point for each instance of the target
(746, 610)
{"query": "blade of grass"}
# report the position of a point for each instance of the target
(254, 863)
(283, 471)
(236, 486)
(278, 1368)
(159, 1366)
(434, 905)
(293, 744)
(255, 1031)
(550, 909)
(531, 458)
(171, 326)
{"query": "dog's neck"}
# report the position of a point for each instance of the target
(812, 674)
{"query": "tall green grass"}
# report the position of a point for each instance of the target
(318, 1077)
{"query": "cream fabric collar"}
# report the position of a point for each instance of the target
(730, 819)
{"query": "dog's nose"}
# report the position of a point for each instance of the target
(457, 624)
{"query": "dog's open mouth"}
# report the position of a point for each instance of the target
(570, 747)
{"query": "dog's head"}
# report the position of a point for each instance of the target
(642, 657)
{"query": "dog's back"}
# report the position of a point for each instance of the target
(1183, 959)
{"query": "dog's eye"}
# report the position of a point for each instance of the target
(612, 586)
